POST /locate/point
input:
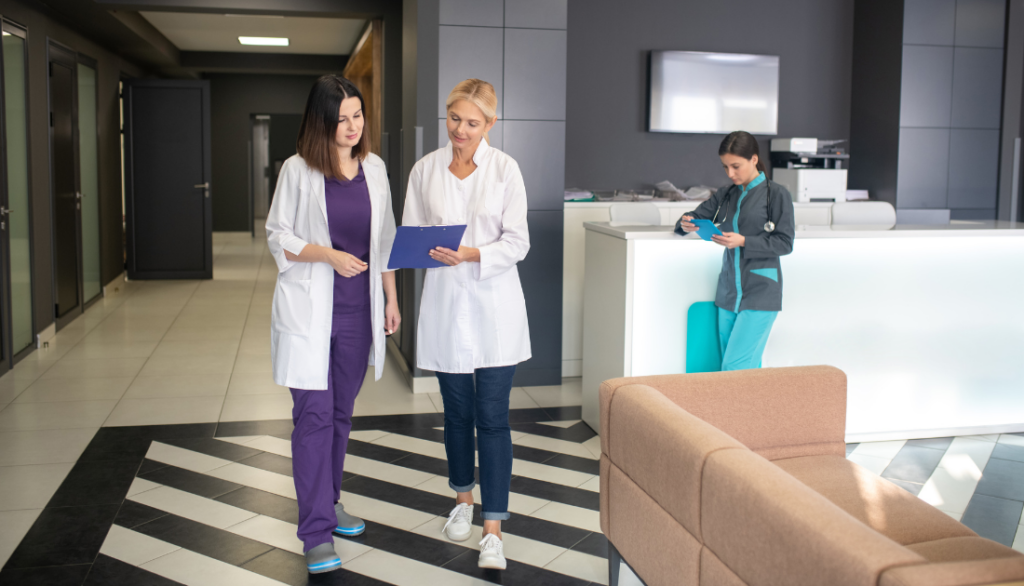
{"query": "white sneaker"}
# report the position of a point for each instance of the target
(460, 523)
(491, 556)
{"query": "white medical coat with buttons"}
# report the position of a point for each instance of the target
(300, 325)
(472, 315)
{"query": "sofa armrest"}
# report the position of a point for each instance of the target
(776, 412)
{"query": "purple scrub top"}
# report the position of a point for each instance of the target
(348, 219)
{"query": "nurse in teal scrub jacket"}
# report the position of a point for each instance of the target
(756, 220)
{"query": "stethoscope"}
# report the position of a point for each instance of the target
(769, 226)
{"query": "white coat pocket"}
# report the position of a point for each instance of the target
(495, 199)
(293, 307)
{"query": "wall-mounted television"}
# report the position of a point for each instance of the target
(714, 93)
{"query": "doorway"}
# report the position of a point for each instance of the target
(273, 141)
(74, 180)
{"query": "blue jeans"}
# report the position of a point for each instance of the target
(743, 336)
(481, 404)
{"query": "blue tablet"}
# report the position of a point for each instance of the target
(706, 229)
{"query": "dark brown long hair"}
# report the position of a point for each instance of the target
(742, 144)
(316, 144)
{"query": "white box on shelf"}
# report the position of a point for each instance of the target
(807, 185)
(795, 145)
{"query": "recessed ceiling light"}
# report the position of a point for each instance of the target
(264, 41)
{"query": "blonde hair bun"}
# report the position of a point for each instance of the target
(479, 93)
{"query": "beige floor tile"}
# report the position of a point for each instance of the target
(255, 384)
(177, 365)
(134, 548)
(88, 349)
(191, 334)
(568, 394)
(30, 370)
(257, 407)
(62, 415)
(30, 487)
(19, 448)
(11, 388)
(181, 385)
(581, 565)
(15, 525)
(253, 365)
(75, 389)
(127, 335)
(95, 368)
(165, 411)
(219, 348)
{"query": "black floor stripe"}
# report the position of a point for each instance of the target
(107, 571)
(71, 575)
(133, 514)
(289, 568)
(201, 538)
(189, 481)
(578, 433)
(216, 448)
(64, 536)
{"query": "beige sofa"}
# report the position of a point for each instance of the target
(740, 478)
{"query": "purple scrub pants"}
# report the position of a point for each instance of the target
(323, 420)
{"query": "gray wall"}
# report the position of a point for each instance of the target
(233, 99)
(607, 146)
(110, 69)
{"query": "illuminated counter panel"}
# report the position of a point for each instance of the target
(927, 322)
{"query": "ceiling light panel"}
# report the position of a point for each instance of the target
(264, 41)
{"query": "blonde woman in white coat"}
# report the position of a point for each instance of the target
(330, 230)
(472, 327)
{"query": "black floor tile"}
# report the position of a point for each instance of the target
(913, 464)
(396, 494)
(515, 573)
(107, 571)
(133, 514)
(410, 545)
(585, 465)
(64, 536)
(374, 452)
(275, 427)
(131, 443)
(935, 443)
(595, 544)
(214, 447)
(541, 530)
(564, 413)
(424, 464)
(102, 482)
(993, 518)
(850, 448)
(204, 539)
(578, 433)
(1008, 452)
(913, 488)
(426, 433)
(1003, 479)
(270, 462)
(263, 503)
(550, 491)
(290, 568)
(150, 466)
(189, 481)
(391, 422)
(48, 576)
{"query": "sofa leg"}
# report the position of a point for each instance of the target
(614, 564)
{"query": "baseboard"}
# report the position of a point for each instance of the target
(46, 335)
(115, 286)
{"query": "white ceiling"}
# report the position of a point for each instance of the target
(220, 32)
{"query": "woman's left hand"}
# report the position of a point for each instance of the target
(729, 239)
(392, 317)
(453, 257)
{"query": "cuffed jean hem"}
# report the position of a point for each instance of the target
(495, 516)
(466, 488)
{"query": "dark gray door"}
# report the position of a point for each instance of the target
(63, 172)
(167, 179)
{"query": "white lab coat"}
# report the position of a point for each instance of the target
(472, 315)
(300, 325)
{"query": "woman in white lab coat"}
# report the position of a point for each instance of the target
(472, 327)
(330, 230)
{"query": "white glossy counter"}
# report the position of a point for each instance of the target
(927, 322)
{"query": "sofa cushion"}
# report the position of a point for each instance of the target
(662, 448)
(962, 549)
(972, 573)
(876, 502)
(777, 412)
(769, 528)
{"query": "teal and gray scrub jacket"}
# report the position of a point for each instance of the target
(751, 277)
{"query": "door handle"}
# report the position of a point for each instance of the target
(205, 187)
(4, 212)
(78, 195)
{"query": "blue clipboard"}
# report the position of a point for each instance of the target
(706, 229)
(413, 244)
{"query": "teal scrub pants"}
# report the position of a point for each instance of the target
(742, 337)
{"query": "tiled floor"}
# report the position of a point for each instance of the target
(148, 445)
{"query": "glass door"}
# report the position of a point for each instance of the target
(14, 212)
(89, 182)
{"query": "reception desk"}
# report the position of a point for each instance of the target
(926, 321)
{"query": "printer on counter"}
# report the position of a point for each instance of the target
(810, 169)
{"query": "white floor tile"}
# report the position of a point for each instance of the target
(282, 535)
(555, 445)
(257, 407)
(239, 439)
(369, 436)
(582, 566)
(274, 445)
(413, 444)
(141, 485)
(594, 445)
(383, 512)
(200, 509)
(549, 473)
(95, 368)
(1012, 440)
(520, 549)
(182, 385)
(950, 490)
(1018, 540)
(194, 569)
(519, 504)
(386, 472)
(570, 515)
(560, 424)
(965, 456)
(592, 485)
(396, 569)
(880, 449)
(15, 525)
(873, 464)
(132, 547)
(74, 389)
(182, 458)
(568, 394)
(64, 415)
(264, 480)
(166, 411)
(30, 487)
(43, 446)
(519, 399)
